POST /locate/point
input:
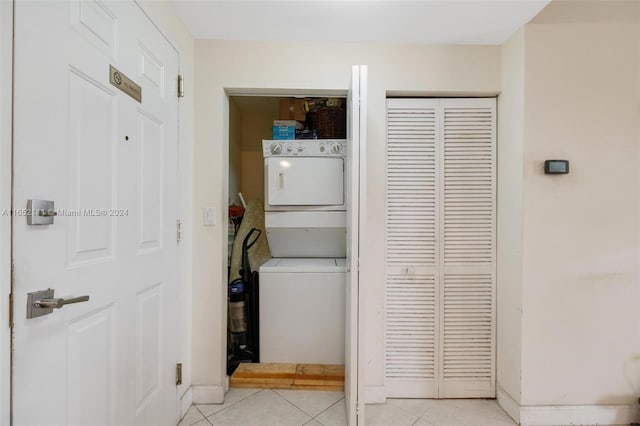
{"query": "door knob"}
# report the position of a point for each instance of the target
(42, 302)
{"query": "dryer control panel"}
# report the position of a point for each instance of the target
(304, 148)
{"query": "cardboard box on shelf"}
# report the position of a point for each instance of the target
(292, 109)
(293, 123)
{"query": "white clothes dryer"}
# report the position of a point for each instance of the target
(304, 189)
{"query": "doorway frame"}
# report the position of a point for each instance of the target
(6, 171)
(254, 92)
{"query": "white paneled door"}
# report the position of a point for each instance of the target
(440, 248)
(109, 163)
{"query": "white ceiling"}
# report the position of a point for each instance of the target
(414, 21)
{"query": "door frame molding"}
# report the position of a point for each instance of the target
(6, 144)
(236, 91)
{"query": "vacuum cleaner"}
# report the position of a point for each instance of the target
(243, 338)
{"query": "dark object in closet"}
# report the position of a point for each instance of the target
(243, 311)
(235, 216)
(330, 122)
(306, 134)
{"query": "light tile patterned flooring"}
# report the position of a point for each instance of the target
(276, 407)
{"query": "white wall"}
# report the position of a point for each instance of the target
(581, 236)
(569, 280)
(6, 50)
(509, 223)
(163, 15)
(397, 68)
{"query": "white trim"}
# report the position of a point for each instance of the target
(208, 394)
(375, 395)
(550, 415)
(440, 94)
(508, 404)
(362, 202)
(285, 93)
(6, 118)
(186, 402)
(224, 236)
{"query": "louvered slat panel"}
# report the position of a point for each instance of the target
(411, 249)
(468, 335)
(468, 278)
(411, 186)
(410, 326)
(469, 216)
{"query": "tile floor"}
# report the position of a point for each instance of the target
(276, 407)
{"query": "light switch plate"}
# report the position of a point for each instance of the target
(209, 216)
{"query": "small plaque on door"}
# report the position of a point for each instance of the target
(124, 83)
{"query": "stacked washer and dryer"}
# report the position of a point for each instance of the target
(302, 289)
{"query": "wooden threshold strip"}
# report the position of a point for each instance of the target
(289, 376)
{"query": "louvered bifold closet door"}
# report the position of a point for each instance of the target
(440, 248)
(467, 282)
(412, 254)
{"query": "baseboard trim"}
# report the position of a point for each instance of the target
(208, 394)
(186, 402)
(375, 395)
(508, 404)
(552, 415)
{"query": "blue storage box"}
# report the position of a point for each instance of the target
(284, 132)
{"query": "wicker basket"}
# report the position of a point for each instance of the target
(329, 122)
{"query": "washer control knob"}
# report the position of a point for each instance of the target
(276, 149)
(336, 148)
(300, 148)
(322, 148)
(289, 148)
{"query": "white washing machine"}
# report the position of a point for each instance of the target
(302, 310)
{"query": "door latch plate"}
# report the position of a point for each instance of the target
(34, 311)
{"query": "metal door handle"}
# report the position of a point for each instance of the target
(280, 180)
(42, 302)
(58, 303)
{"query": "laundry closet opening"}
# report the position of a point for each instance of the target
(287, 241)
